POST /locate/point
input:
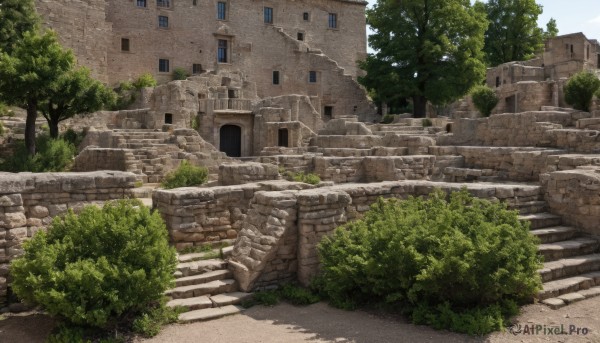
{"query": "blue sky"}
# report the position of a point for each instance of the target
(571, 16)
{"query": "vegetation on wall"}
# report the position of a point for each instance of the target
(186, 175)
(99, 269)
(461, 264)
(580, 90)
(180, 74)
(484, 99)
(425, 50)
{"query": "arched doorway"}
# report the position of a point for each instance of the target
(230, 141)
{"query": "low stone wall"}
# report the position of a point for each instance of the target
(575, 195)
(94, 158)
(339, 169)
(28, 202)
(239, 173)
(413, 167)
(267, 253)
(195, 216)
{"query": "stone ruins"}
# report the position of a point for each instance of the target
(543, 160)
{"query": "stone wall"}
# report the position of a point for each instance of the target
(575, 196)
(271, 247)
(238, 173)
(28, 202)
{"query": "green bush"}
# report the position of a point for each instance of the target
(98, 267)
(426, 122)
(580, 89)
(195, 123)
(1, 129)
(5, 111)
(484, 99)
(309, 178)
(180, 74)
(387, 119)
(73, 137)
(186, 175)
(52, 155)
(150, 322)
(145, 80)
(466, 259)
(298, 295)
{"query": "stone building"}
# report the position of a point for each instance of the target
(307, 47)
(529, 85)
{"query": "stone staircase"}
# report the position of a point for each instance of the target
(571, 269)
(205, 288)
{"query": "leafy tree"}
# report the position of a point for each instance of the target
(513, 34)
(16, 18)
(29, 74)
(580, 89)
(429, 50)
(484, 99)
(75, 92)
(551, 29)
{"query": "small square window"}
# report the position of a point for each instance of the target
(124, 44)
(221, 10)
(168, 118)
(222, 51)
(163, 3)
(300, 35)
(312, 76)
(328, 112)
(275, 77)
(141, 3)
(268, 15)
(163, 65)
(163, 21)
(194, 2)
(332, 21)
(197, 68)
(306, 16)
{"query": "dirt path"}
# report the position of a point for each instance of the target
(320, 323)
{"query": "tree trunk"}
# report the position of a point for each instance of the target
(30, 126)
(420, 106)
(53, 126)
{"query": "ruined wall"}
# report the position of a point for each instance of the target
(81, 26)
(239, 173)
(28, 202)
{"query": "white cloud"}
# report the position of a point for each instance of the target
(595, 21)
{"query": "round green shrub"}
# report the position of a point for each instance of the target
(52, 155)
(460, 264)
(145, 80)
(180, 74)
(309, 178)
(580, 89)
(94, 268)
(186, 175)
(484, 99)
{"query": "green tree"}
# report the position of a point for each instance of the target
(551, 29)
(16, 18)
(75, 92)
(428, 50)
(28, 75)
(580, 89)
(513, 34)
(484, 99)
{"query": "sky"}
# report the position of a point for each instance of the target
(571, 16)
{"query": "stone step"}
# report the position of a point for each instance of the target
(233, 298)
(213, 287)
(199, 267)
(570, 267)
(530, 207)
(569, 298)
(191, 304)
(554, 234)
(209, 313)
(198, 256)
(556, 288)
(203, 278)
(577, 246)
(541, 220)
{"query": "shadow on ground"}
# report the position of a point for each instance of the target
(25, 328)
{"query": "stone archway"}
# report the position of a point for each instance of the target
(230, 141)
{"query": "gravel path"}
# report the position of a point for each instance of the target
(285, 323)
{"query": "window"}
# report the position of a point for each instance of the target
(283, 139)
(222, 51)
(197, 68)
(163, 65)
(124, 44)
(306, 16)
(328, 112)
(194, 2)
(168, 118)
(332, 21)
(221, 10)
(312, 76)
(141, 3)
(275, 77)
(497, 81)
(268, 15)
(163, 21)
(163, 3)
(300, 35)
